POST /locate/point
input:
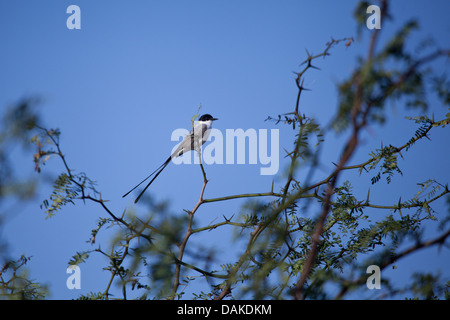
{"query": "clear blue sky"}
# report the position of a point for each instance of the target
(138, 70)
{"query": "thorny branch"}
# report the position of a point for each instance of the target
(392, 259)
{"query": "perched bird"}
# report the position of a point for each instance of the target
(196, 138)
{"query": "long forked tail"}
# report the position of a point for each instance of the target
(157, 171)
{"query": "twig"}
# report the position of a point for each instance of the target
(189, 232)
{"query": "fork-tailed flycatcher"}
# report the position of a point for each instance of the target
(196, 138)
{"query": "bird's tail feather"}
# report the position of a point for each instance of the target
(160, 168)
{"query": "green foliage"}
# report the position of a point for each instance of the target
(79, 257)
(63, 193)
(15, 283)
(422, 131)
(67, 186)
(92, 296)
(394, 74)
(427, 286)
(16, 127)
(389, 166)
(19, 120)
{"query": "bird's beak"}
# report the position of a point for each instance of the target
(215, 119)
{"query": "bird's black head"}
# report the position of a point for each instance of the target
(207, 117)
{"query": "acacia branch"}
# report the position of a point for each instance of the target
(245, 195)
(350, 147)
(392, 259)
(189, 232)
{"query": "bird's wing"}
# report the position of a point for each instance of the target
(191, 140)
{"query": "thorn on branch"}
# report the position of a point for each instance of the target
(228, 220)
